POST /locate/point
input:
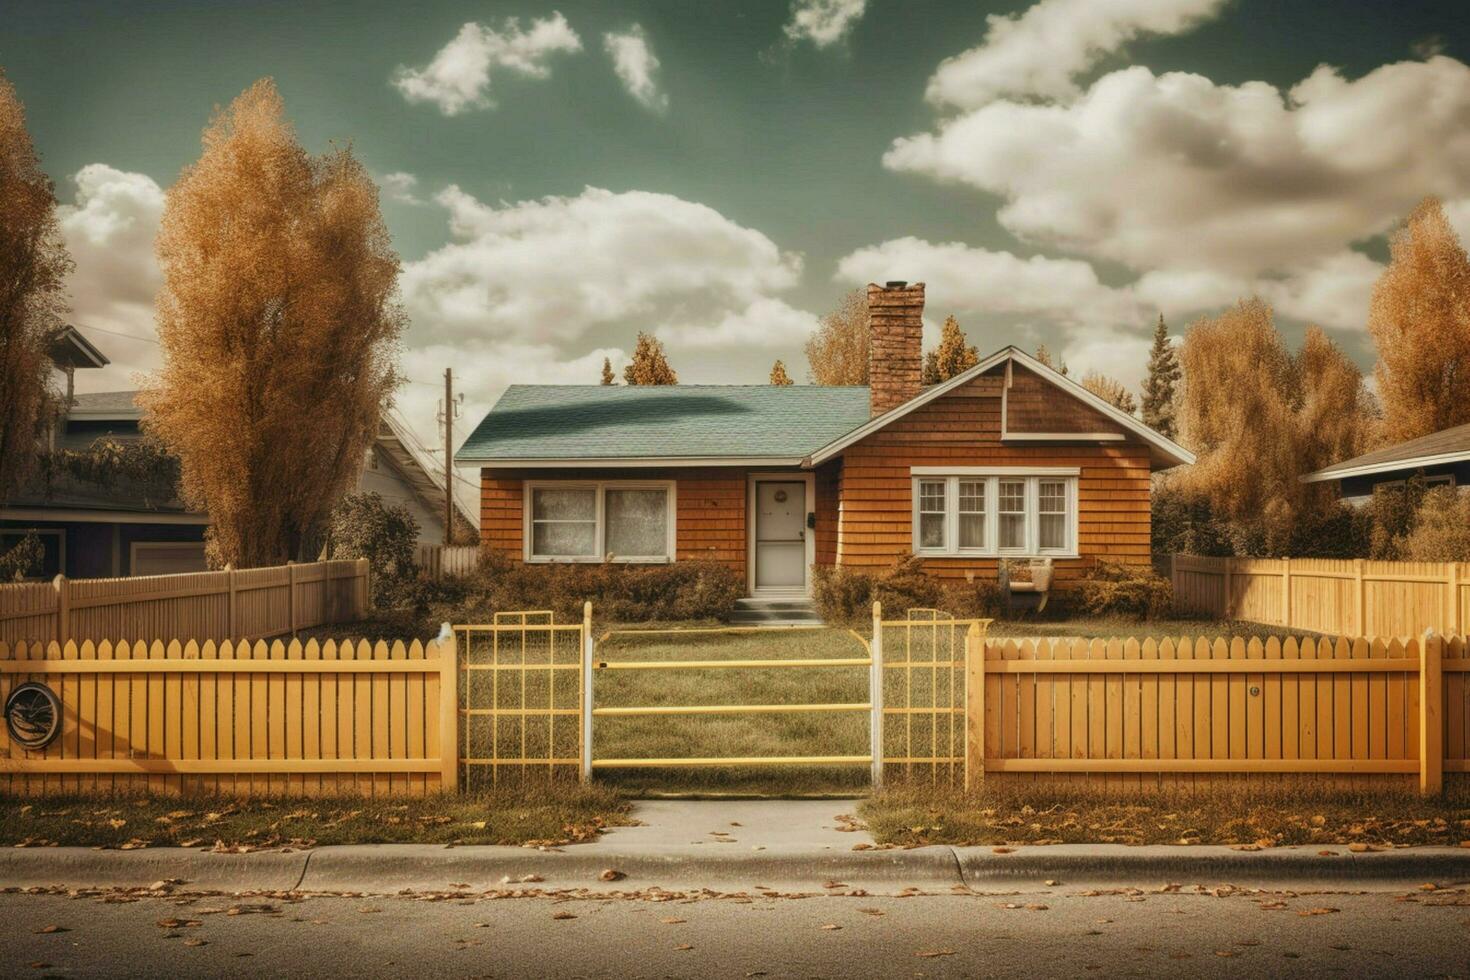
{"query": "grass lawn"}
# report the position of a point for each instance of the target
(1264, 817)
(775, 734)
(558, 813)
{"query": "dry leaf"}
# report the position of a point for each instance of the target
(1318, 911)
(610, 874)
(831, 927)
(562, 915)
(683, 946)
(673, 921)
(1002, 850)
(929, 954)
(47, 930)
(196, 942)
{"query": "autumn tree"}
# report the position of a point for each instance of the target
(1419, 319)
(1334, 416)
(608, 378)
(837, 353)
(1159, 386)
(1110, 390)
(279, 324)
(1043, 354)
(649, 365)
(951, 357)
(1235, 413)
(779, 375)
(33, 270)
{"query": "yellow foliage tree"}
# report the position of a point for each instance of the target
(649, 365)
(1420, 322)
(33, 270)
(1110, 390)
(1043, 354)
(279, 324)
(779, 375)
(953, 356)
(837, 354)
(608, 378)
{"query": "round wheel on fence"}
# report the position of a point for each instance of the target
(33, 715)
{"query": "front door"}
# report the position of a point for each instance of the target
(780, 535)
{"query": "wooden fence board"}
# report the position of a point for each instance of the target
(252, 718)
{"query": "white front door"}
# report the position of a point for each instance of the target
(780, 535)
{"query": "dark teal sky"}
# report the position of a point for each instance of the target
(783, 138)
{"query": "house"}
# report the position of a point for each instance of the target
(1008, 459)
(1440, 458)
(133, 524)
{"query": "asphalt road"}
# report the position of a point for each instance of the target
(1405, 932)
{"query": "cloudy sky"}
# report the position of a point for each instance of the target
(558, 176)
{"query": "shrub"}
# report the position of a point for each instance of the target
(842, 595)
(22, 559)
(366, 526)
(619, 593)
(1127, 591)
(1441, 528)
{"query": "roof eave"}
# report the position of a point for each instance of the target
(1389, 466)
(627, 462)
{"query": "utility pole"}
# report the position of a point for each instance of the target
(448, 456)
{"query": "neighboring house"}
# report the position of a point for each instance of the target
(1441, 458)
(125, 527)
(1008, 459)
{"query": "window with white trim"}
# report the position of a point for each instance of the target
(996, 512)
(600, 521)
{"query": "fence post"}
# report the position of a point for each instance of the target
(363, 593)
(875, 696)
(291, 595)
(1229, 596)
(1362, 600)
(1431, 714)
(586, 705)
(448, 711)
(63, 608)
(1452, 601)
(230, 598)
(1286, 592)
(974, 708)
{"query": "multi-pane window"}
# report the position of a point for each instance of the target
(595, 522)
(999, 513)
(932, 513)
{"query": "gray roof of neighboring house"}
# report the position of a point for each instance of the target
(106, 405)
(1445, 446)
(572, 422)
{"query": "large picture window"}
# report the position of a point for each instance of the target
(1000, 511)
(611, 521)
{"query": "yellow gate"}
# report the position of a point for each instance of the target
(522, 696)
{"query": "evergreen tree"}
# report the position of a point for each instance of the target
(779, 375)
(608, 378)
(1162, 381)
(953, 356)
(1043, 354)
(649, 365)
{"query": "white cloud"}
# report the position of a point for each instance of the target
(1039, 52)
(558, 268)
(637, 67)
(767, 322)
(966, 279)
(401, 187)
(458, 77)
(109, 231)
(1176, 172)
(1458, 213)
(823, 22)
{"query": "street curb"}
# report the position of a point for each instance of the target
(1215, 864)
(390, 868)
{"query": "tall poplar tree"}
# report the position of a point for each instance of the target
(279, 322)
(1419, 319)
(1161, 383)
(608, 378)
(33, 269)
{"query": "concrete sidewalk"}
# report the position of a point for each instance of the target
(726, 846)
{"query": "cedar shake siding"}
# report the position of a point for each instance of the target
(709, 514)
(1034, 404)
(962, 428)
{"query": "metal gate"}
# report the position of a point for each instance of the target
(528, 698)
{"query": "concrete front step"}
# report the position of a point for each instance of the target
(774, 612)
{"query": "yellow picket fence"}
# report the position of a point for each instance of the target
(1129, 715)
(243, 719)
(252, 603)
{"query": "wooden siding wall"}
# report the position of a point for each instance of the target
(240, 719)
(710, 517)
(252, 603)
(827, 508)
(963, 429)
(1036, 405)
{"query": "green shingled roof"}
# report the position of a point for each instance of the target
(619, 421)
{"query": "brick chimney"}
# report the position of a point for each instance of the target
(896, 339)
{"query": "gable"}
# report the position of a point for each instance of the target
(1035, 405)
